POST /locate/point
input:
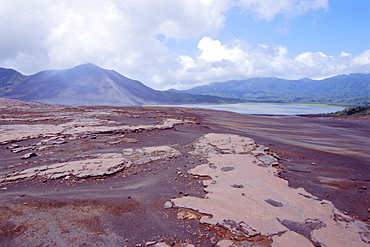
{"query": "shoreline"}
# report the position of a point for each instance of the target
(263, 108)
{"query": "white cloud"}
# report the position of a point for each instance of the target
(344, 54)
(213, 51)
(306, 58)
(186, 62)
(362, 59)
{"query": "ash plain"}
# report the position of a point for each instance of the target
(326, 156)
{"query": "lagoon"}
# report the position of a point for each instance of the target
(268, 109)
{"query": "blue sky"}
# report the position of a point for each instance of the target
(343, 26)
(185, 43)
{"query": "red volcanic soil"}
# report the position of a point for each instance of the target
(327, 156)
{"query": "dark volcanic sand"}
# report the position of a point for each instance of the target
(329, 157)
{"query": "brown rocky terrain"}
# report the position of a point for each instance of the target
(161, 176)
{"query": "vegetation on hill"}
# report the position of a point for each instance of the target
(354, 111)
(187, 98)
(344, 90)
(9, 79)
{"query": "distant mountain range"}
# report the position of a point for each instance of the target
(89, 84)
(352, 89)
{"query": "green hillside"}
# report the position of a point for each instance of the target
(354, 111)
(347, 90)
(9, 79)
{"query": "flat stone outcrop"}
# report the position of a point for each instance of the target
(148, 154)
(16, 132)
(246, 196)
(102, 164)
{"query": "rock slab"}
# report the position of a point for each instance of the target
(263, 203)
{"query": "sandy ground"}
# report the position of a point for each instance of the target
(144, 161)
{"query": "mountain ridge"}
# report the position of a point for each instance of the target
(88, 84)
(352, 89)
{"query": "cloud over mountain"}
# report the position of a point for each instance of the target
(134, 37)
(238, 60)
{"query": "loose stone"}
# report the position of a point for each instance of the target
(168, 204)
(238, 186)
(29, 155)
(227, 169)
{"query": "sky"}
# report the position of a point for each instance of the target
(185, 43)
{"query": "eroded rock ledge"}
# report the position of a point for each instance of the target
(16, 132)
(102, 164)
